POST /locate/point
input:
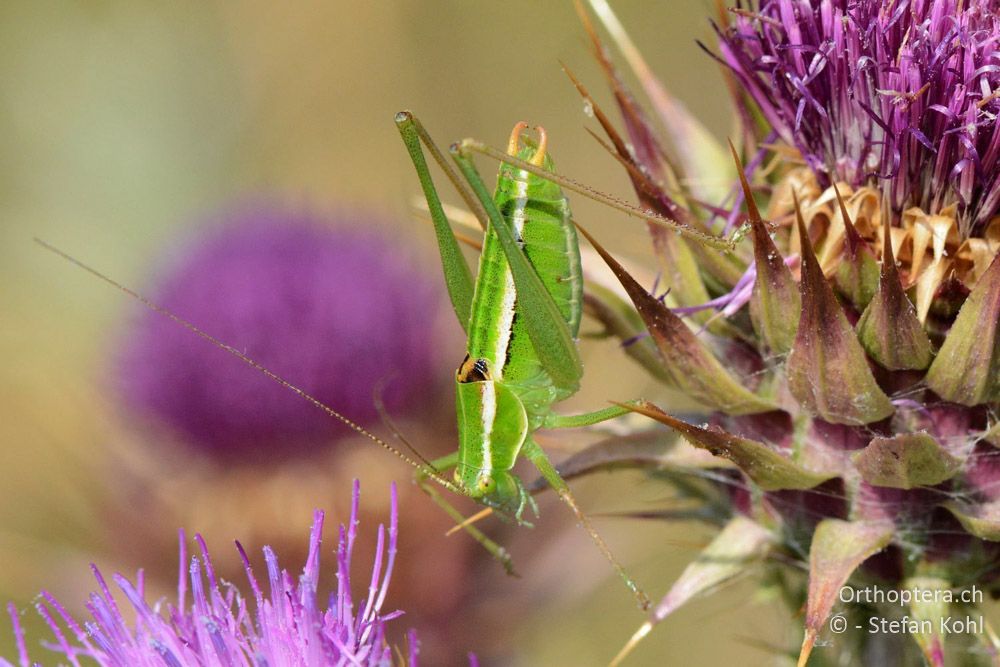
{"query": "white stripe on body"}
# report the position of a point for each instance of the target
(489, 415)
(509, 290)
(574, 267)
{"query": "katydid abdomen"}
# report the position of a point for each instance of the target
(503, 390)
(539, 214)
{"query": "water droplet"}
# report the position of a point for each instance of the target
(588, 109)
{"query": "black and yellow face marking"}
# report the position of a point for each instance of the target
(473, 370)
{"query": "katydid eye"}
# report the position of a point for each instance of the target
(487, 484)
(473, 370)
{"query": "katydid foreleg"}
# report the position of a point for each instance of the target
(423, 481)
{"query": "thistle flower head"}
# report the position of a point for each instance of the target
(850, 370)
(335, 310)
(283, 621)
(902, 93)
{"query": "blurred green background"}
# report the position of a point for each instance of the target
(122, 123)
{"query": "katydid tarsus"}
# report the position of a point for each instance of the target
(521, 316)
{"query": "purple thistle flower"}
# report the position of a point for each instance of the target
(874, 454)
(288, 625)
(904, 91)
(336, 311)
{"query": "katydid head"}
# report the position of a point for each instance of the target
(500, 490)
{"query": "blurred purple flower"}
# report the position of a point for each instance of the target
(289, 626)
(334, 310)
(902, 90)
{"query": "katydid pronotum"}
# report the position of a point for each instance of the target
(522, 315)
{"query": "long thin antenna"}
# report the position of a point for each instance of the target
(388, 422)
(431, 472)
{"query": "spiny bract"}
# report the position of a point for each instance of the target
(848, 350)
